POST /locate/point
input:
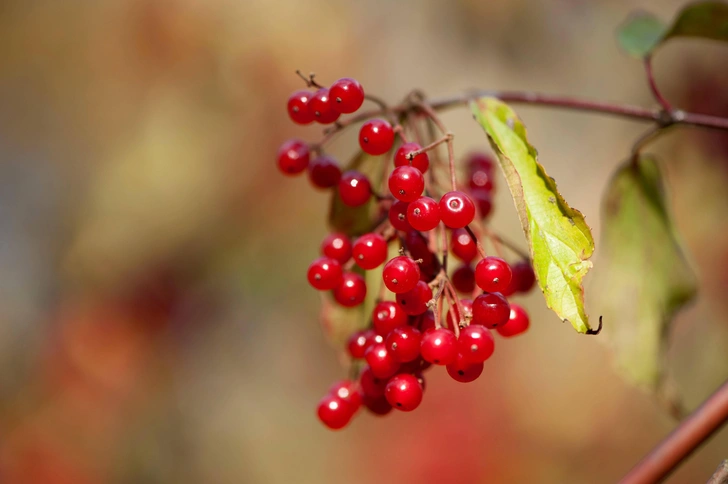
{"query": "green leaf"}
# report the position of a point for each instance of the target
(560, 242)
(707, 20)
(640, 34)
(643, 276)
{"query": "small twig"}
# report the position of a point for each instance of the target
(646, 138)
(481, 250)
(683, 441)
(431, 146)
(450, 148)
(653, 85)
(310, 80)
(720, 476)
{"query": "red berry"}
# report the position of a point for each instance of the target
(325, 274)
(415, 300)
(401, 274)
(421, 161)
(298, 109)
(387, 316)
(398, 216)
(418, 245)
(463, 246)
(322, 107)
(427, 323)
(483, 201)
(404, 392)
(491, 309)
(475, 343)
(293, 157)
(464, 372)
(423, 214)
(378, 405)
(523, 273)
(371, 385)
(493, 274)
(360, 341)
(404, 344)
(481, 179)
(370, 251)
(354, 188)
(380, 361)
(456, 209)
(467, 306)
(518, 322)
(480, 162)
(337, 246)
(439, 346)
(334, 412)
(376, 137)
(406, 183)
(324, 172)
(349, 392)
(351, 291)
(463, 279)
(347, 94)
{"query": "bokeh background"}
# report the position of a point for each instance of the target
(155, 321)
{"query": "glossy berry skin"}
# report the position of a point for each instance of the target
(401, 274)
(371, 385)
(337, 246)
(423, 214)
(351, 291)
(524, 275)
(325, 274)
(493, 274)
(481, 179)
(387, 316)
(398, 216)
(322, 107)
(349, 392)
(354, 188)
(415, 300)
(421, 161)
(456, 209)
(463, 279)
(439, 346)
(378, 405)
(324, 172)
(382, 364)
(376, 137)
(463, 246)
(347, 94)
(491, 310)
(427, 323)
(404, 392)
(480, 161)
(369, 251)
(475, 343)
(298, 109)
(360, 341)
(483, 201)
(467, 306)
(293, 157)
(403, 344)
(518, 322)
(406, 183)
(334, 412)
(464, 372)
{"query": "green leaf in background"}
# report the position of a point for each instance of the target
(642, 32)
(643, 276)
(560, 242)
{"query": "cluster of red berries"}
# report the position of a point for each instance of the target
(406, 335)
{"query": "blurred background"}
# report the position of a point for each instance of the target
(155, 321)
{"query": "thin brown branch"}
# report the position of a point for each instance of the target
(653, 85)
(720, 476)
(683, 441)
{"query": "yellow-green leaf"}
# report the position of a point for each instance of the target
(642, 32)
(643, 276)
(560, 242)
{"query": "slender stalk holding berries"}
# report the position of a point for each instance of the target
(481, 250)
(429, 111)
(448, 137)
(653, 85)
